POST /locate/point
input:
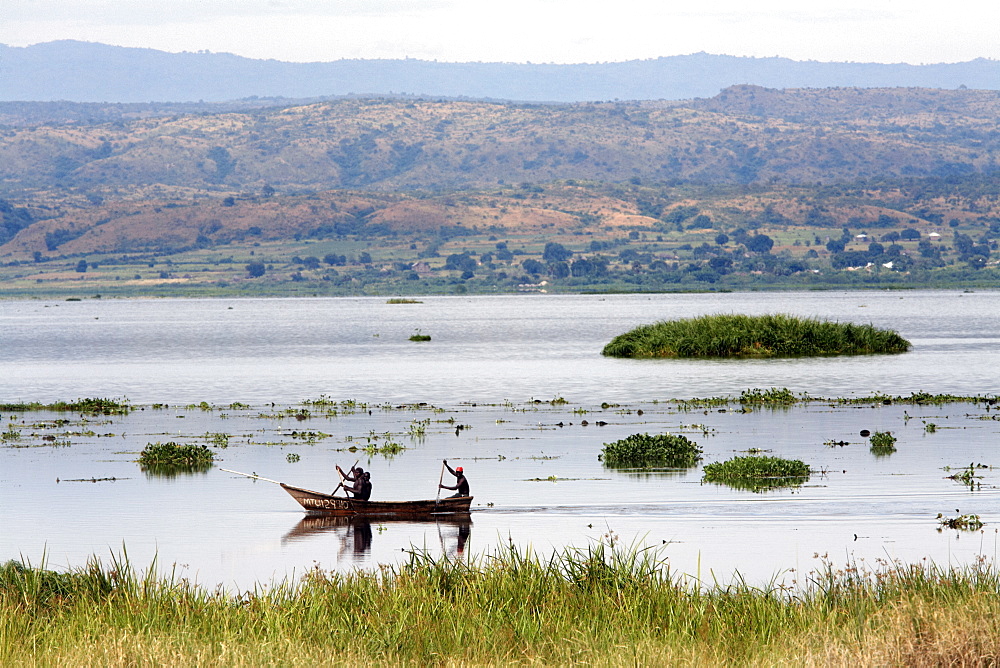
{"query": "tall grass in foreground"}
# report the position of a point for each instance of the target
(602, 605)
(736, 335)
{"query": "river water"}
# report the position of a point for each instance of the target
(494, 366)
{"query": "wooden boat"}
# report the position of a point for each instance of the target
(320, 503)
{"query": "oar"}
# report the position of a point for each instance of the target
(252, 475)
(440, 480)
(341, 483)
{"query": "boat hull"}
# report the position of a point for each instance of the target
(319, 503)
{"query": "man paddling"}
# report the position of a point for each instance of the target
(461, 484)
(362, 487)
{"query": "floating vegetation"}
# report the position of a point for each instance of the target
(418, 428)
(11, 434)
(218, 439)
(930, 427)
(967, 522)
(387, 449)
(309, 437)
(882, 442)
(170, 458)
(772, 397)
(784, 396)
(645, 451)
(85, 406)
(554, 401)
(418, 337)
(757, 474)
(402, 300)
(734, 335)
(919, 398)
(704, 429)
(379, 444)
(967, 475)
(555, 478)
(291, 458)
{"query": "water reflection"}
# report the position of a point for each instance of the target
(154, 471)
(355, 534)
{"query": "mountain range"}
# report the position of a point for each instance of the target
(91, 72)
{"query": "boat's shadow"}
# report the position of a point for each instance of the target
(356, 534)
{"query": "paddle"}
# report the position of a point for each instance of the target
(341, 483)
(440, 480)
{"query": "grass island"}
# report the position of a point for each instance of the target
(734, 335)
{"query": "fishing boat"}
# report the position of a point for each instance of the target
(321, 503)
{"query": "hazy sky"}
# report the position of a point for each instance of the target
(563, 31)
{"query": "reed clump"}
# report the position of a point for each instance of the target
(757, 473)
(746, 336)
(603, 605)
(645, 451)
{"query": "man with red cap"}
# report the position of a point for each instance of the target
(461, 484)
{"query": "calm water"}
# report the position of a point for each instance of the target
(535, 483)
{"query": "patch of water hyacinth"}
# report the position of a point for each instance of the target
(882, 442)
(734, 335)
(757, 473)
(646, 451)
(169, 458)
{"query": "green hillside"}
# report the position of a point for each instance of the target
(752, 188)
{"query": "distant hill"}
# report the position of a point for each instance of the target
(744, 135)
(90, 72)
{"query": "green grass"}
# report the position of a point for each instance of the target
(601, 605)
(735, 335)
(645, 451)
(756, 473)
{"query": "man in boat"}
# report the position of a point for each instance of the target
(366, 487)
(461, 484)
(362, 487)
